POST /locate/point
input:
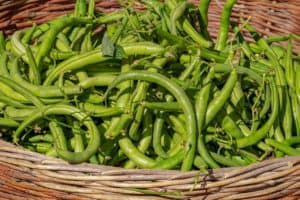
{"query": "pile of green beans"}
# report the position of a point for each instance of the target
(150, 89)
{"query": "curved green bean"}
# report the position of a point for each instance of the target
(224, 25)
(72, 157)
(182, 99)
(261, 133)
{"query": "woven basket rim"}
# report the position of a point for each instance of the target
(4, 145)
(38, 167)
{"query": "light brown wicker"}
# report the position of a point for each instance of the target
(28, 175)
(270, 17)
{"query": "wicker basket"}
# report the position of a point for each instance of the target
(28, 175)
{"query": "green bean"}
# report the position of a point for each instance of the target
(203, 19)
(265, 147)
(58, 55)
(282, 147)
(292, 140)
(143, 48)
(79, 144)
(171, 4)
(166, 18)
(100, 111)
(258, 135)
(287, 119)
(62, 43)
(237, 97)
(42, 147)
(201, 105)
(171, 162)
(133, 130)
(112, 131)
(296, 111)
(176, 14)
(162, 106)
(176, 40)
(233, 101)
(182, 99)
(278, 38)
(6, 122)
(3, 65)
(224, 25)
(80, 8)
(267, 103)
(297, 81)
(134, 154)
(51, 152)
(74, 112)
(248, 156)
(107, 150)
(278, 135)
(157, 134)
(176, 124)
(120, 126)
(280, 77)
(217, 103)
(95, 56)
(2, 42)
(56, 26)
(91, 8)
(92, 98)
(241, 70)
(188, 28)
(40, 30)
(42, 91)
(74, 33)
(230, 162)
(140, 94)
(187, 72)
(200, 163)
(34, 74)
(260, 68)
(18, 47)
(231, 128)
(18, 114)
(76, 62)
(100, 80)
(119, 31)
(205, 54)
(11, 102)
(87, 42)
(146, 140)
(59, 138)
(22, 90)
(279, 51)
(41, 138)
(77, 41)
(111, 17)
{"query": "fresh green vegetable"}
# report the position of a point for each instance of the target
(151, 90)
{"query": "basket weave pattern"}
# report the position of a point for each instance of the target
(28, 174)
(25, 174)
(269, 17)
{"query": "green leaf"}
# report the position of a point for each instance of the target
(108, 47)
(120, 53)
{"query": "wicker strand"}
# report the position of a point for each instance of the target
(23, 172)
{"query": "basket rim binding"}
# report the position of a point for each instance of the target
(39, 168)
(268, 16)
